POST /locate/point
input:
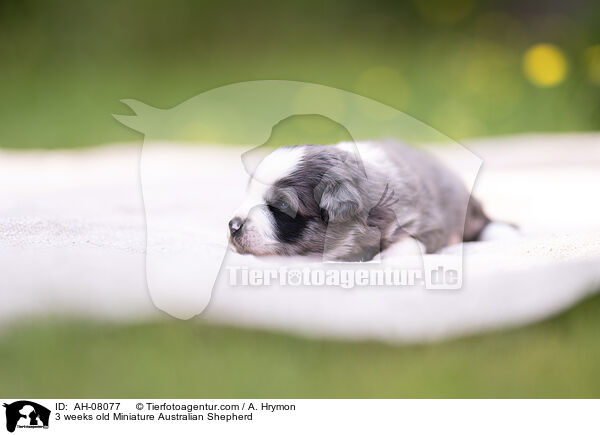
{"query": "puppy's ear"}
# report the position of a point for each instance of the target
(339, 201)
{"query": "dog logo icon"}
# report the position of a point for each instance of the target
(26, 414)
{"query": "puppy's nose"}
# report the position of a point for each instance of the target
(235, 225)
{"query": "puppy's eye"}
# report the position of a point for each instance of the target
(281, 205)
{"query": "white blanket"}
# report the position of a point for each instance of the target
(73, 242)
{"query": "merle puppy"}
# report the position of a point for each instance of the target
(349, 202)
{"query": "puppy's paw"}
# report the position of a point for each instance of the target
(499, 231)
(400, 251)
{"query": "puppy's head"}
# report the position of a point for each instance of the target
(296, 197)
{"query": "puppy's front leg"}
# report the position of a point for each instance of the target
(407, 247)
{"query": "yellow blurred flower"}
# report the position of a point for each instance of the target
(545, 65)
(592, 61)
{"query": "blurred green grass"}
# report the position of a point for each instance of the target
(65, 65)
(555, 358)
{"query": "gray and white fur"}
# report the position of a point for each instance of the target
(349, 202)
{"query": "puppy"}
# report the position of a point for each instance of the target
(349, 202)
